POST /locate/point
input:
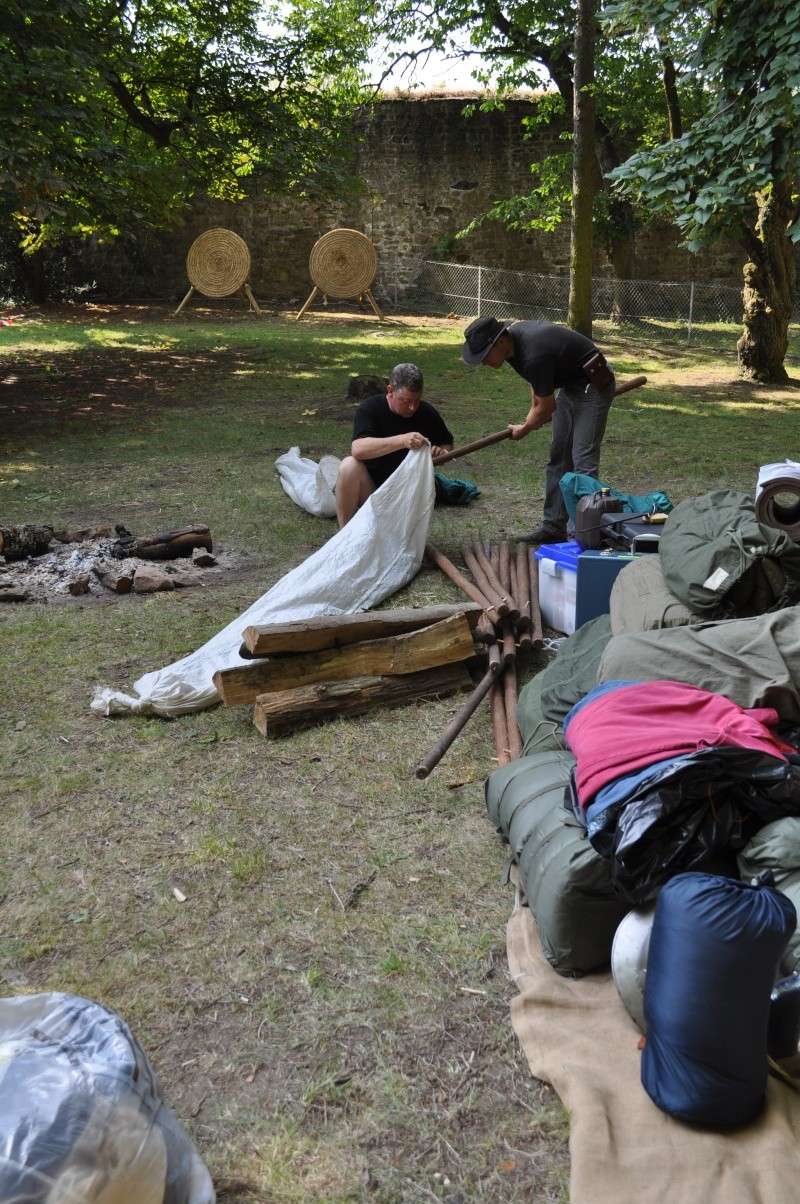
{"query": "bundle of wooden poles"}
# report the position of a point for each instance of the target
(505, 584)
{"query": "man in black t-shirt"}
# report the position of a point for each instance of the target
(553, 360)
(385, 427)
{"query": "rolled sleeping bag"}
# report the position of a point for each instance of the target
(714, 953)
(567, 884)
(528, 777)
(778, 502)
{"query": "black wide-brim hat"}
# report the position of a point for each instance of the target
(479, 338)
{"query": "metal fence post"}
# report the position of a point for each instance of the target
(480, 270)
(691, 312)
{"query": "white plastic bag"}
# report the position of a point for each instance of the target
(375, 555)
(308, 484)
(82, 1121)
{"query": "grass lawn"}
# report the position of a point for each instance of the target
(316, 1053)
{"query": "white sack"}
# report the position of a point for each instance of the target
(308, 484)
(376, 554)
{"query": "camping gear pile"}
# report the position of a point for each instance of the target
(661, 765)
(82, 1119)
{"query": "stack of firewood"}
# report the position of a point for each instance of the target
(301, 672)
(307, 670)
(505, 584)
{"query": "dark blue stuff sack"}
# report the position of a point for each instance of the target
(715, 950)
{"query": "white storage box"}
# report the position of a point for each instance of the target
(558, 584)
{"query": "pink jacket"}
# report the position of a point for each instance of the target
(632, 727)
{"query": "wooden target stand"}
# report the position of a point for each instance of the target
(218, 265)
(343, 264)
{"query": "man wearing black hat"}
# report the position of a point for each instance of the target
(571, 383)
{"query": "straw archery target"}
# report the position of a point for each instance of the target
(343, 263)
(218, 263)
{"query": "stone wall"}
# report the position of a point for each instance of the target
(427, 171)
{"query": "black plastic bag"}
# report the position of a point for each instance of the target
(697, 807)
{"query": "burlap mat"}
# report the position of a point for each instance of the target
(577, 1036)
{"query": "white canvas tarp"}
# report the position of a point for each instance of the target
(376, 554)
(308, 484)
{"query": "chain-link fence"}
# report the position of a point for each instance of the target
(694, 312)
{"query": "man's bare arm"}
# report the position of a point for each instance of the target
(369, 448)
(540, 413)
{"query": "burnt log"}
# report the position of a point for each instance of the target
(168, 546)
(31, 539)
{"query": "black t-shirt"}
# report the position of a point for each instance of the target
(549, 356)
(374, 420)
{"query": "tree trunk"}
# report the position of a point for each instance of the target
(584, 177)
(32, 269)
(620, 230)
(768, 288)
(668, 80)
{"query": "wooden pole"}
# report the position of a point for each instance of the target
(449, 569)
(248, 292)
(499, 726)
(635, 382)
(505, 567)
(373, 303)
(495, 580)
(498, 436)
(523, 592)
(457, 723)
(496, 597)
(476, 445)
(183, 302)
(510, 700)
(311, 297)
(536, 616)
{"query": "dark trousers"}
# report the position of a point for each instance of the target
(579, 423)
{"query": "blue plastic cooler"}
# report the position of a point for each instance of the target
(575, 586)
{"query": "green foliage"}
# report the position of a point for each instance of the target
(747, 56)
(115, 114)
(528, 43)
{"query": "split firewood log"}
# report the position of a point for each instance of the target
(284, 710)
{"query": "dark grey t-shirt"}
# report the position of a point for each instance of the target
(549, 356)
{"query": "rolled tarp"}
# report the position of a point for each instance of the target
(779, 481)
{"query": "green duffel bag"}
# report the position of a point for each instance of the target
(641, 601)
(566, 883)
(721, 562)
(573, 670)
(776, 847)
(539, 734)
